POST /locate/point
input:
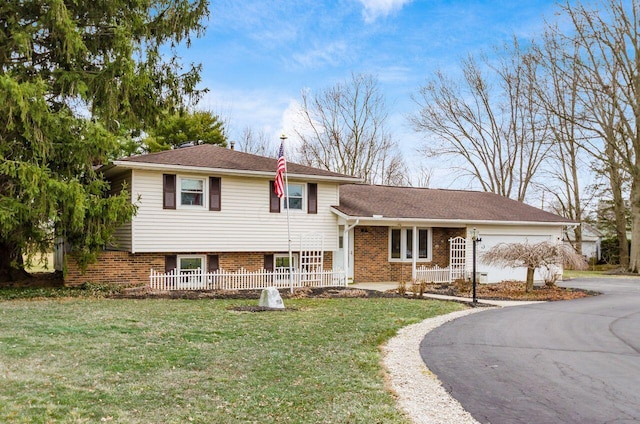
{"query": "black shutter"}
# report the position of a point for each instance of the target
(213, 263)
(274, 200)
(168, 191)
(214, 194)
(170, 263)
(312, 198)
(268, 262)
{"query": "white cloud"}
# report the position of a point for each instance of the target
(330, 53)
(374, 9)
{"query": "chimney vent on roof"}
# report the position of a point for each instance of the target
(232, 145)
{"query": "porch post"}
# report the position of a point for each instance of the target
(345, 247)
(345, 252)
(414, 252)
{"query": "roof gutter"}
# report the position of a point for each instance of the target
(382, 220)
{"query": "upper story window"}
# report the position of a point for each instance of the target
(191, 192)
(402, 244)
(296, 196)
(300, 194)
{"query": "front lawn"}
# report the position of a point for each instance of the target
(174, 361)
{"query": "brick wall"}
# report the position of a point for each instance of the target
(440, 244)
(116, 267)
(371, 254)
(232, 261)
(371, 257)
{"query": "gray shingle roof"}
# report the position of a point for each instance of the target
(360, 200)
(212, 156)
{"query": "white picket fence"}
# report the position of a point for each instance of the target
(244, 280)
(437, 274)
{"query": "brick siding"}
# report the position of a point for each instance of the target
(371, 254)
(115, 267)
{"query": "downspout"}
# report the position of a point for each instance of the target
(345, 247)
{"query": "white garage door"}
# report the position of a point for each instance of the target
(497, 274)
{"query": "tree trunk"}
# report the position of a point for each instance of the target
(619, 209)
(11, 264)
(530, 272)
(634, 258)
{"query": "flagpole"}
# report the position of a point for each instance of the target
(286, 188)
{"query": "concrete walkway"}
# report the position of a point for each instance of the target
(391, 286)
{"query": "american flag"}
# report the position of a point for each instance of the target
(279, 183)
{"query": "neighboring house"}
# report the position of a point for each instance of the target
(213, 208)
(591, 238)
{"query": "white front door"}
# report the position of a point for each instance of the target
(338, 260)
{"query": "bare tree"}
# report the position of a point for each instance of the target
(557, 90)
(256, 143)
(343, 130)
(422, 177)
(533, 256)
(606, 38)
(493, 124)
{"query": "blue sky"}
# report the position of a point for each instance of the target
(258, 55)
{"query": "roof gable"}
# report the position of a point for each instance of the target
(360, 200)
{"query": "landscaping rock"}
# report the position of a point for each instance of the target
(270, 298)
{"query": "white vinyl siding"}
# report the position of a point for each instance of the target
(243, 224)
(122, 234)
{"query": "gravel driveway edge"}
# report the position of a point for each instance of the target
(420, 394)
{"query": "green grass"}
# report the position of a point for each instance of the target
(85, 360)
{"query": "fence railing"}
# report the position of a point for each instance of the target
(244, 280)
(437, 274)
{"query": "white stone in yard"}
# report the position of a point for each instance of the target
(270, 298)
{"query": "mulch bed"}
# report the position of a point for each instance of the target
(509, 290)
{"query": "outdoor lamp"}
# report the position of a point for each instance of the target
(475, 238)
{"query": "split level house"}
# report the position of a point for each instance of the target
(215, 209)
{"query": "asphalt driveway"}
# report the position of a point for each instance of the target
(573, 361)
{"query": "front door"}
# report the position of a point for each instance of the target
(338, 260)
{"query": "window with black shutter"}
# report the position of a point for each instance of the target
(168, 191)
(170, 263)
(274, 200)
(213, 263)
(214, 193)
(268, 262)
(312, 198)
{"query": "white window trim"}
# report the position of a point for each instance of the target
(294, 257)
(303, 208)
(203, 261)
(204, 193)
(403, 244)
